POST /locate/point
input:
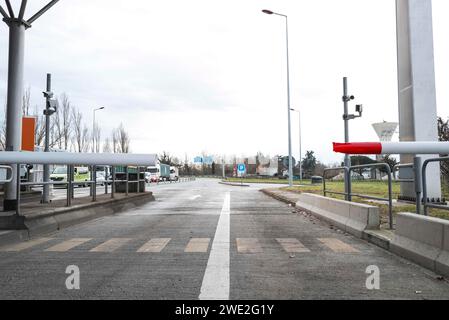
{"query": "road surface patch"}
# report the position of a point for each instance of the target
(68, 244)
(248, 245)
(197, 245)
(292, 245)
(337, 245)
(216, 280)
(154, 245)
(111, 245)
(25, 245)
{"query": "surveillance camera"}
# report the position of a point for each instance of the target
(359, 108)
(48, 94)
(351, 97)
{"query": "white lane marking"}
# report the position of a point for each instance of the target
(111, 245)
(154, 245)
(337, 245)
(196, 245)
(68, 244)
(195, 197)
(292, 245)
(24, 245)
(216, 277)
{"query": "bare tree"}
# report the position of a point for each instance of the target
(80, 137)
(26, 102)
(107, 146)
(120, 140)
(39, 129)
(63, 123)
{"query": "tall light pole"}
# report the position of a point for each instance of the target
(93, 129)
(290, 162)
(300, 151)
(17, 26)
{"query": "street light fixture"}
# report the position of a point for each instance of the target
(290, 162)
(93, 129)
(300, 151)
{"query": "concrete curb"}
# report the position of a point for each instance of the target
(39, 224)
(423, 240)
(278, 197)
(234, 184)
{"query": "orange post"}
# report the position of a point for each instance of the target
(28, 127)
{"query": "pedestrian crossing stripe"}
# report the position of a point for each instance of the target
(68, 244)
(154, 245)
(111, 245)
(337, 245)
(194, 245)
(24, 245)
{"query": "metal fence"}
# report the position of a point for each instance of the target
(425, 200)
(70, 182)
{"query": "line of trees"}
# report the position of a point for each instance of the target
(68, 130)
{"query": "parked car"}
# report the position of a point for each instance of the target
(80, 174)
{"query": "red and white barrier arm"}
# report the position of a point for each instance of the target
(413, 147)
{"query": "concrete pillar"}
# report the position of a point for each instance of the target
(14, 103)
(416, 85)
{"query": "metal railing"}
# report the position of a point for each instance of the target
(325, 191)
(401, 166)
(350, 194)
(425, 200)
(8, 177)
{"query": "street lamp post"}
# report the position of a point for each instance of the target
(300, 151)
(17, 25)
(290, 162)
(93, 129)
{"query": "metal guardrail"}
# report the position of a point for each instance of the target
(325, 191)
(70, 182)
(399, 166)
(425, 200)
(8, 177)
(349, 195)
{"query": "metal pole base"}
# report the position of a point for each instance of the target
(9, 205)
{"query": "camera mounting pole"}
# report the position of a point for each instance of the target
(17, 26)
(346, 117)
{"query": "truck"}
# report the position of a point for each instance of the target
(159, 172)
(80, 174)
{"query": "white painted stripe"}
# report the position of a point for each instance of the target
(248, 245)
(197, 245)
(110, 245)
(24, 245)
(216, 280)
(337, 245)
(292, 245)
(154, 245)
(68, 244)
(195, 197)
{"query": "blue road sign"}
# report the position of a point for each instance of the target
(241, 168)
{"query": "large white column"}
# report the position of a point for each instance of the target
(416, 85)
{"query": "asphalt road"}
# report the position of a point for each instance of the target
(204, 240)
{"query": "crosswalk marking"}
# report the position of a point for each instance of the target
(337, 245)
(110, 245)
(68, 244)
(25, 245)
(197, 245)
(292, 245)
(154, 245)
(248, 245)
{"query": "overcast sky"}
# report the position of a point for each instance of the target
(208, 75)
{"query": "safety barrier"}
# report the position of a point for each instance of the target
(425, 200)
